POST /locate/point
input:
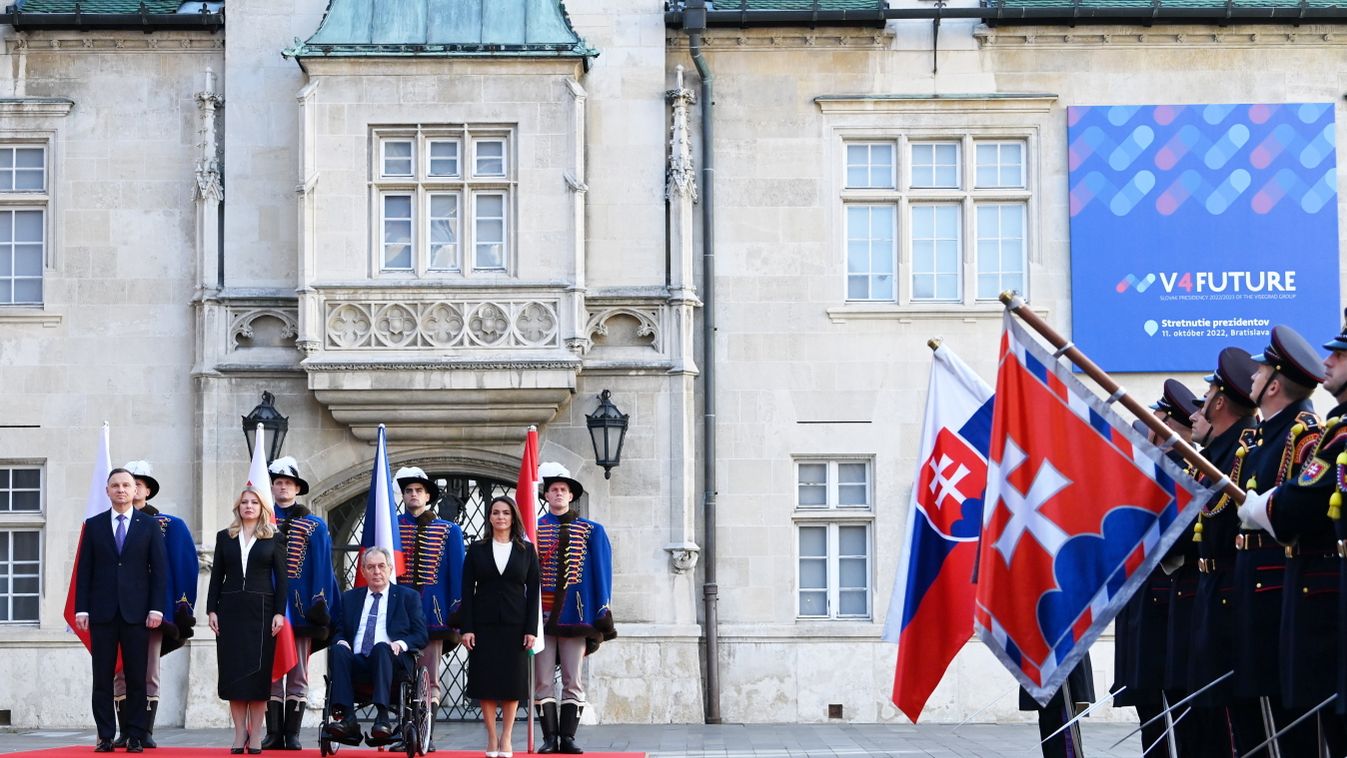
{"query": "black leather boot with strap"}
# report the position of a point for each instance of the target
(120, 742)
(570, 721)
(294, 718)
(274, 740)
(547, 717)
(151, 711)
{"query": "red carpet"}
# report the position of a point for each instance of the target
(217, 752)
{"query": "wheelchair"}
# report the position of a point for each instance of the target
(411, 711)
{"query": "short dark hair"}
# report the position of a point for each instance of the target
(120, 470)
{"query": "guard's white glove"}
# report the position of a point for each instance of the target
(1253, 513)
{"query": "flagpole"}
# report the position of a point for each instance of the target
(1064, 347)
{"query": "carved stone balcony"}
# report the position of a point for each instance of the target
(439, 365)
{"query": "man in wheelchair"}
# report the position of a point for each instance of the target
(379, 634)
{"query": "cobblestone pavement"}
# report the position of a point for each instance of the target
(702, 741)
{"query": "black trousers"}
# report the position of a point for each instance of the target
(1246, 717)
(106, 638)
(380, 669)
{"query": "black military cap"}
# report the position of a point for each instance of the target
(1339, 342)
(1292, 357)
(1178, 401)
(1234, 376)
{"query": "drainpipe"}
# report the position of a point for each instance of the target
(694, 23)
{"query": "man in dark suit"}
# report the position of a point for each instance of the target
(119, 596)
(380, 623)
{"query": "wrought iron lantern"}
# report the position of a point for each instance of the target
(607, 430)
(274, 426)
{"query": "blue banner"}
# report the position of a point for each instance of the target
(1197, 227)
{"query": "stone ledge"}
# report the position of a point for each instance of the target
(46, 319)
(906, 314)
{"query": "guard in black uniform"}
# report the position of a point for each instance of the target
(1052, 716)
(1305, 514)
(1289, 371)
(1141, 630)
(1224, 425)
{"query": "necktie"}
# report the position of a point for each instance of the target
(371, 621)
(121, 533)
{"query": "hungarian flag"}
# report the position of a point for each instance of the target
(259, 478)
(96, 503)
(381, 515)
(931, 609)
(526, 495)
(1079, 511)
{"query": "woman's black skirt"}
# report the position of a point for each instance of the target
(498, 664)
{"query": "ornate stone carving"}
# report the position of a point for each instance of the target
(681, 180)
(262, 327)
(683, 556)
(435, 324)
(646, 328)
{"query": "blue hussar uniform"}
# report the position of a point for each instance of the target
(1282, 445)
(577, 578)
(434, 559)
(183, 569)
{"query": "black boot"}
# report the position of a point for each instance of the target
(547, 717)
(294, 717)
(274, 739)
(151, 710)
(570, 719)
(120, 743)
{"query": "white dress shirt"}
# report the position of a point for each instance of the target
(246, 546)
(501, 552)
(380, 621)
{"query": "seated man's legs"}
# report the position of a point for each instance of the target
(380, 669)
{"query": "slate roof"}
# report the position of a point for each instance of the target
(444, 28)
(106, 6)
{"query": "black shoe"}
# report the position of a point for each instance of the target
(149, 742)
(569, 747)
(343, 728)
(382, 730)
(254, 751)
(294, 718)
(134, 745)
(237, 751)
(103, 746)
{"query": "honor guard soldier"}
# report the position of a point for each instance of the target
(1142, 653)
(1224, 426)
(179, 601)
(312, 595)
(1305, 514)
(434, 553)
(577, 584)
(1079, 689)
(1288, 371)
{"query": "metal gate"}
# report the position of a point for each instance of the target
(463, 500)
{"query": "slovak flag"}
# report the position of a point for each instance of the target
(381, 515)
(1079, 511)
(286, 655)
(931, 609)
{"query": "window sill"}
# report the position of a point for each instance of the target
(906, 314)
(29, 316)
(831, 515)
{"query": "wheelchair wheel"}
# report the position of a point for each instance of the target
(424, 714)
(327, 747)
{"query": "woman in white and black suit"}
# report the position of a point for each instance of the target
(246, 608)
(499, 616)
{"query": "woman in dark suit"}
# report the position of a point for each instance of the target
(499, 617)
(245, 605)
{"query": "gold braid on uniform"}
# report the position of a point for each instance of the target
(1340, 486)
(1296, 449)
(1246, 439)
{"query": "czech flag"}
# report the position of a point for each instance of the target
(259, 478)
(931, 609)
(381, 515)
(96, 503)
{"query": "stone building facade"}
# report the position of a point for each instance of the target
(460, 219)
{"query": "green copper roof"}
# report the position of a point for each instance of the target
(797, 5)
(104, 6)
(444, 28)
(1085, 4)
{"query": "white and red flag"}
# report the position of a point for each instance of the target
(259, 478)
(381, 515)
(931, 608)
(526, 495)
(1079, 511)
(95, 503)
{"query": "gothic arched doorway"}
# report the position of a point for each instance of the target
(463, 501)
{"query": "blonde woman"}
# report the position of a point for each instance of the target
(246, 606)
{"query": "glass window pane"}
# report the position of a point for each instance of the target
(4, 550)
(937, 259)
(28, 181)
(7, 158)
(853, 603)
(851, 540)
(25, 585)
(813, 603)
(397, 158)
(935, 165)
(27, 260)
(812, 484)
(25, 501)
(28, 157)
(443, 158)
(22, 478)
(6, 291)
(851, 573)
(858, 288)
(27, 291)
(813, 574)
(870, 165)
(813, 541)
(28, 226)
(490, 158)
